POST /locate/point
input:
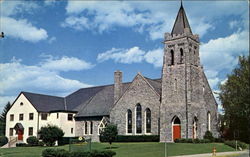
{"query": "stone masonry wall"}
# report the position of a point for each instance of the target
(138, 92)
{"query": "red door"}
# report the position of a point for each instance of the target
(177, 131)
(20, 135)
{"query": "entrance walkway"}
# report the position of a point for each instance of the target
(224, 154)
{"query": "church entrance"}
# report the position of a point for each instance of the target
(176, 128)
(20, 135)
(19, 130)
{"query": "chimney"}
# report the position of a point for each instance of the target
(117, 85)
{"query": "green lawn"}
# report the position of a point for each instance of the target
(129, 149)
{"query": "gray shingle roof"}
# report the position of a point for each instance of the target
(45, 103)
(181, 22)
(93, 101)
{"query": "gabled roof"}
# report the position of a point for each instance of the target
(155, 83)
(101, 103)
(45, 103)
(181, 22)
(87, 102)
(81, 96)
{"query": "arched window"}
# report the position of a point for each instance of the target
(138, 119)
(208, 121)
(86, 127)
(172, 57)
(148, 120)
(177, 120)
(181, 58)
(195, 128)
(129, 121)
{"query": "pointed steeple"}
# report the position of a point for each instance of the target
(181, 24)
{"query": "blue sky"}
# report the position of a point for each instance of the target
(56, 47)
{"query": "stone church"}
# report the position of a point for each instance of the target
(180, 104)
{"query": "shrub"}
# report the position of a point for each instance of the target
(239, 144)
(50, 133)
(32, 141)
(79, 154)
(109, 134)
(3, 140)
(137, 138)
(219, 140)
(209, 135)
(50, 152)
(196, 140)
(40, 143)
(22, 145)
(63, 153)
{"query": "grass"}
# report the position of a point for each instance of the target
(150, 149)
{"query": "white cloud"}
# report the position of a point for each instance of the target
(155, 57)
(154, 18)
(42, 78)
(132, 55)
(15, 7)
(49, 2)
(65, 64)
(78, 23)
(52, 39)
(22, 29)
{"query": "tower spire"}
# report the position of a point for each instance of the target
(181, 24)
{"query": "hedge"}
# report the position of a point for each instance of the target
(32, 140)
(65, 140)
(138, 138)
(189, 140)
(239, 144)
(63, 153)
(40, 143)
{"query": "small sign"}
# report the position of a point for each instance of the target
(80, 138)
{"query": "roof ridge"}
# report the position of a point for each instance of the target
(95, 87)
(41, 94)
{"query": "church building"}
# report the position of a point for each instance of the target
(180, 104)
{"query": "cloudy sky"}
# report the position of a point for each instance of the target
(56, 47)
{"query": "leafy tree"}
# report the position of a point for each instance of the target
(3, 118)
(235, 99)
(109, 134)
(50, 134)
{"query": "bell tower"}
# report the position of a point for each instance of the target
(182, 81)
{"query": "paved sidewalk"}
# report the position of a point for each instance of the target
(241, 153)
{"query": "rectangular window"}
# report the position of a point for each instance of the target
(11, 131)
(86, 128)
(70, 116)
(44, 116)
(72, 130)
(30, 131)
(57, 115)
(31, 116)
(12, 117)
(91, 127)
(21, 116)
